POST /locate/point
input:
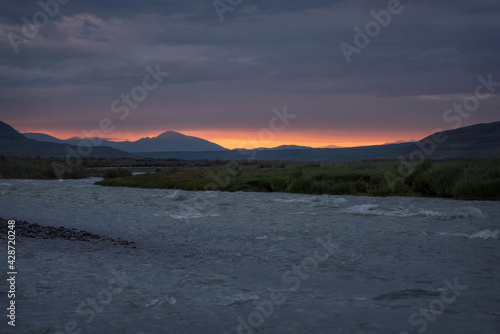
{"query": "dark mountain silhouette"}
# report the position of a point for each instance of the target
(9, 133)
(313, 154)
(277, 148)
(479, 140)
(43, 137)
(12, 143)
(168, 141)
(286, 147)
(401, 142)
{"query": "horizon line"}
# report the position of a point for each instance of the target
(305, 146)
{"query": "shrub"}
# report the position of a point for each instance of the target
(265, 165)
(260, 184)
(300, 185)
(295, 173)
(117, 173)
(438, 180)
(345, 188)
(173, 170)
(319, 188)
(361, 187)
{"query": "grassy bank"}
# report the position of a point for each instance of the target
(61, 168)
(14, 168)
(55, 168)
(472, 179)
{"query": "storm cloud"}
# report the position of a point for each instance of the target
(230, 74)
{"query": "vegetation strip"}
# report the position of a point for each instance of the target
(472, 179)
(468, 180)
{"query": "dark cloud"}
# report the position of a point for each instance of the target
(264, 54)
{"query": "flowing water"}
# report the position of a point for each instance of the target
(209, 262)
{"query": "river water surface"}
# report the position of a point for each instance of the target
(209, 262)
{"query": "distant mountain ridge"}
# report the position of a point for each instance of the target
(313, 154)
(9, 133)
(480, 140)
(170, 141)
(13, 143)
(43, 137)
(278, 148)
(474, 141)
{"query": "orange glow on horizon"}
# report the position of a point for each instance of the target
(244, 138)
(248, 139)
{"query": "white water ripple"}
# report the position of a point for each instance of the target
(378, 210)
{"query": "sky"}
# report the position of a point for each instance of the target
(249, 73)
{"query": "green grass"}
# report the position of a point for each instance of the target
(471, 179)
(12, 168)
(116, 173)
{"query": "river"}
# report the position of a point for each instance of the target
(210, 262)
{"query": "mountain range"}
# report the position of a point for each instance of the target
(170, 141)
(12, 143)
(480, 140)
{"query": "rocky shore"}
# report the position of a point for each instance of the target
(27, 230)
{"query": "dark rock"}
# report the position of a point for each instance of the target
(24, 229)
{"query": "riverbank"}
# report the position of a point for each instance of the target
(468, 180)
(61, 168)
